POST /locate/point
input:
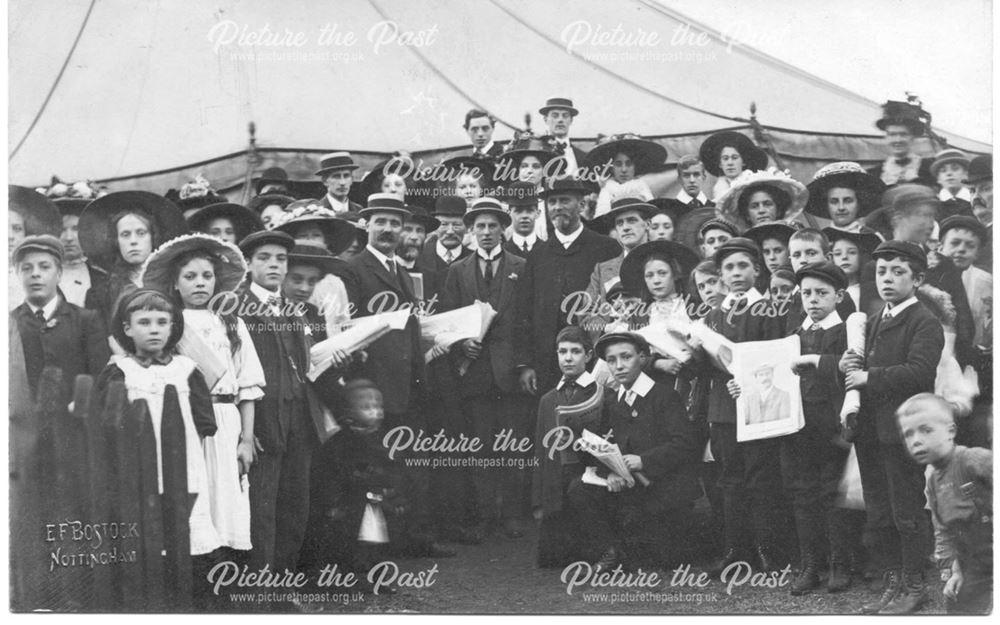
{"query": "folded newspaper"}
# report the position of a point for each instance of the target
(697, 335)
(666, 342)
(355, 336)
(439, 332)
(607, 453)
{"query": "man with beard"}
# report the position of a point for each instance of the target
(335, 170)
(376, 283)
(555, 269)
(480, 126)
(444, 249)
(411, 243)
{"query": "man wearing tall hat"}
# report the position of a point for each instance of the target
(336, 171)
(484, 370)
(375, 284)
(479, 125)
(556, 269)
(902, 123)
(558, 114)
(522, 202)
(441, 251)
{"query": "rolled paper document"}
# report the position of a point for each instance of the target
(855, 326)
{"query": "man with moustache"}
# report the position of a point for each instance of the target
(444, 249)
(336, 171)
(480, 126)
(555, 269)
(376, 283)
(411, 242)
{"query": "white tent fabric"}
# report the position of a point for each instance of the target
(155, 91)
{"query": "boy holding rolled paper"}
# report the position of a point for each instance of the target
(812, 462)
(903, 346)
(634, 515)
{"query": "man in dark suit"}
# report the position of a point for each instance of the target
(480, 126)
(557, 268)
(54, 332)
(417, 225)
(901, 122)
(444, 249)
(285, 431)
(78, 275)
(336, 170)
(691, 173)
(376, 284)
(658, 443)
(486, 379)
(768, 403)
(522, 200)
(558, 114)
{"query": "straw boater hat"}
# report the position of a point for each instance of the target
(558, 103)
(158, 271)
(606, 222)
(339, 233)
(791, 196)
(632, 270)
(754, 158)
(645, 154)
(848, 175)
(98, 237)
(244, 220)
(948, 156)
(384, 202)
(41, 216)
(486, 206)
(335, 161)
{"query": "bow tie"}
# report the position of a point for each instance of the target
(562, 145)
(274, 301)
(903, 162)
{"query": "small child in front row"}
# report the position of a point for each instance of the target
(960, 496)
(147, 326)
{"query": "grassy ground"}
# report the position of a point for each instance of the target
(500, 577)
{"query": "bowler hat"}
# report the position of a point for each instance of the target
(559, 103)
(825, 271)
(980, 169)
(565, 186)
(449, 206)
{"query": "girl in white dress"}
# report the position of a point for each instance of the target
(201, 274)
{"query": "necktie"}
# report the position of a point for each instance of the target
(630, 397)
(886, 314)
(40, 315)
(488, 273)
(524, 245)
(448, 257)
(903, 162)
(391, 266)
(695, 203)
(814, 327)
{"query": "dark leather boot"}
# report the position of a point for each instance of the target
(911, 596)
(893, 580)
(766, 560)
(840, 575)
(808, 577)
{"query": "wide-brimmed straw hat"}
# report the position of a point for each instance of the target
(159, 272)
(847, 175)
(339, 233)
(795, 195)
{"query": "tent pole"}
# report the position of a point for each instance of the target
(251, 163)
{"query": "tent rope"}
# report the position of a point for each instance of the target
(55, 83)
(615, 75)
(444, 77)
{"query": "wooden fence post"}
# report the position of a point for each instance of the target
(154, 578)
(176, 503)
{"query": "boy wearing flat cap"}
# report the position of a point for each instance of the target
(750, 472)
(812, 463)
(903, 345)
(54, 333)
(658, 443)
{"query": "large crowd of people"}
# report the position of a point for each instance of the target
(597, 269)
